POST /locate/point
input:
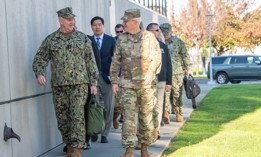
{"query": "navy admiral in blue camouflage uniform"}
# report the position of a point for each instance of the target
(73, 66)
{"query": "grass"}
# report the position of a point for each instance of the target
(226, 124)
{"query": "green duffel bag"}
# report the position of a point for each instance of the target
(95, 117)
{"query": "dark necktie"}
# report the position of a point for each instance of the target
(98, 43)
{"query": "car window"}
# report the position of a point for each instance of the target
(238, 60)
(218, 60)
(250, 59)
(257, 58)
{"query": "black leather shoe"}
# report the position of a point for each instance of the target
(65, 149)
(121, 119)
(94, 138)
(88, 145)
(104, 139)
(162, 123)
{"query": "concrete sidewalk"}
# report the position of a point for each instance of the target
(114, 148)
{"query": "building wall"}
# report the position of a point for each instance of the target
(24, 106)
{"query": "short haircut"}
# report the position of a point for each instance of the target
(119, 26)
(150, 26)
(97, 18)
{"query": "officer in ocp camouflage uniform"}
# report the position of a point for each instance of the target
(139, 55)
(73, 66)
(181, 64)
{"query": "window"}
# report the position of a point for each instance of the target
(250, 60)
(159, 6)
(220, 60)
(238, 60)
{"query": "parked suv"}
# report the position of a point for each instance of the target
(236, 68)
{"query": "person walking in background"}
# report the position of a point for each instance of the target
(180, 64)
(105, 44)
(138, 53)
(165, 75)
(72, 62)
(119, 29)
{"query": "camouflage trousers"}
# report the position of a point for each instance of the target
(117, 106)
(173, 99)
(69, 104)
(137, 104)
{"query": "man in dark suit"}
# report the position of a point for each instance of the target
(105, 44)
(96, 52)
(119, 29)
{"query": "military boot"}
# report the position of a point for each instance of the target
(128, 153)
(138, 147)
(115, 121)
(121, 119)
(77, 152)
(69, 152)
(65, 149)
(166, 118)
(179, 118)
(144, 150)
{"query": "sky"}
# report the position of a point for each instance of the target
(179, 5)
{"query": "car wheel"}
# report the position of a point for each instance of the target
(222, 78)
(235, 81)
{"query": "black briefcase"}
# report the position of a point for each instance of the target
(192, 89)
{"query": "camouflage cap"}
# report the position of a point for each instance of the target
(130, 14)
(166, 28)
(66, 13)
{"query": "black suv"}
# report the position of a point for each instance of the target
(236, 68)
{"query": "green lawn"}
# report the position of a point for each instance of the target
(226, 124)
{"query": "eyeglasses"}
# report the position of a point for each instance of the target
(157, 30)
(119, 31)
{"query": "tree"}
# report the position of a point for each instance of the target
(251, 30)
(192, 27)
(233, 25)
